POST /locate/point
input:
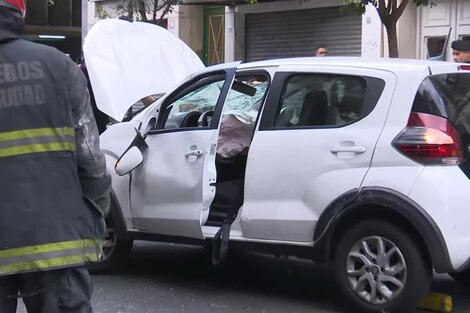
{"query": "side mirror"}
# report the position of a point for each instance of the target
(129, 161)
(132, 157)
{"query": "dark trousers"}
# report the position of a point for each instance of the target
(58, 291)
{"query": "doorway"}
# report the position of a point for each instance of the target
(214, 35)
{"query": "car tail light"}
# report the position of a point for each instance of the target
(464, 67)
(430, 139)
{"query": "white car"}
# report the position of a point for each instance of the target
(361, 164)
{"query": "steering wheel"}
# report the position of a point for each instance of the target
(191, 119)
(205, 119)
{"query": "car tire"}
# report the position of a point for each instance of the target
(462, 277)
(392, 279)
(116, 251)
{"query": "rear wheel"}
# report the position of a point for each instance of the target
(116, 250)
(379, 268)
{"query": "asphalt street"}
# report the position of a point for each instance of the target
(178, 279)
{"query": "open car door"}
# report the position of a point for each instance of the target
(172, 190)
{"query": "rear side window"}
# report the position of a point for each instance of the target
(322, 100)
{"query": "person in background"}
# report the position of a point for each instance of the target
(461, 51)
(54, 187)
(321, 51)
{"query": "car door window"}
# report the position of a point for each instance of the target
(310, 100)
(196, 102)
(240, 114)
(243, 99)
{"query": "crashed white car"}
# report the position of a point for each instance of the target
(361, 164)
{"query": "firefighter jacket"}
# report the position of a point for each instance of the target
(53, 183)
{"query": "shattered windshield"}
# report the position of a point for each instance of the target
(246, 97)
(240, 101)
(198, 100)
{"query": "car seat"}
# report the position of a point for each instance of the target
(191, 119)
(314, 110)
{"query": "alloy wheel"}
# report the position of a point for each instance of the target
(376, 270)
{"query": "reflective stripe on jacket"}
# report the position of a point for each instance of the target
(61, 254)
(36, 140)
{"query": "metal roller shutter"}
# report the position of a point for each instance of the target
(298, 33)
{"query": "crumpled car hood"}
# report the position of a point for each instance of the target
(128, 61)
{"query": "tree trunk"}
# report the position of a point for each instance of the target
(130, 11)
(392, 39)
(142, 10)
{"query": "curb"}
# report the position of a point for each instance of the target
(436, 302)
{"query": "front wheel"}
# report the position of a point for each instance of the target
(379, 268)
(116, 251)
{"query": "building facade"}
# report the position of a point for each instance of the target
(55, 23)
(448, 18)
(222, 31)
(295, 29)
(185, 21)
(269, 29)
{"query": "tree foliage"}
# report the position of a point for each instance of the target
(146, 10)
(150, 10)
(390, 12)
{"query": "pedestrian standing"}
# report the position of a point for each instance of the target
(54, 190)
(321, 51)
(461, 51)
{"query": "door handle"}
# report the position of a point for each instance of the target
(196, 153)
(351, 149)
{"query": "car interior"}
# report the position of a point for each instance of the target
(246, 96)
(314, 109)
(320, 100)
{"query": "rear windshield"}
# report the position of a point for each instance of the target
(448, 95)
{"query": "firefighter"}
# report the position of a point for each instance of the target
(54, 190)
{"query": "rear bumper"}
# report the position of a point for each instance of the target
(444, 194)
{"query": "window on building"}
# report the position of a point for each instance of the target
(56, 13)
(435, 45)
